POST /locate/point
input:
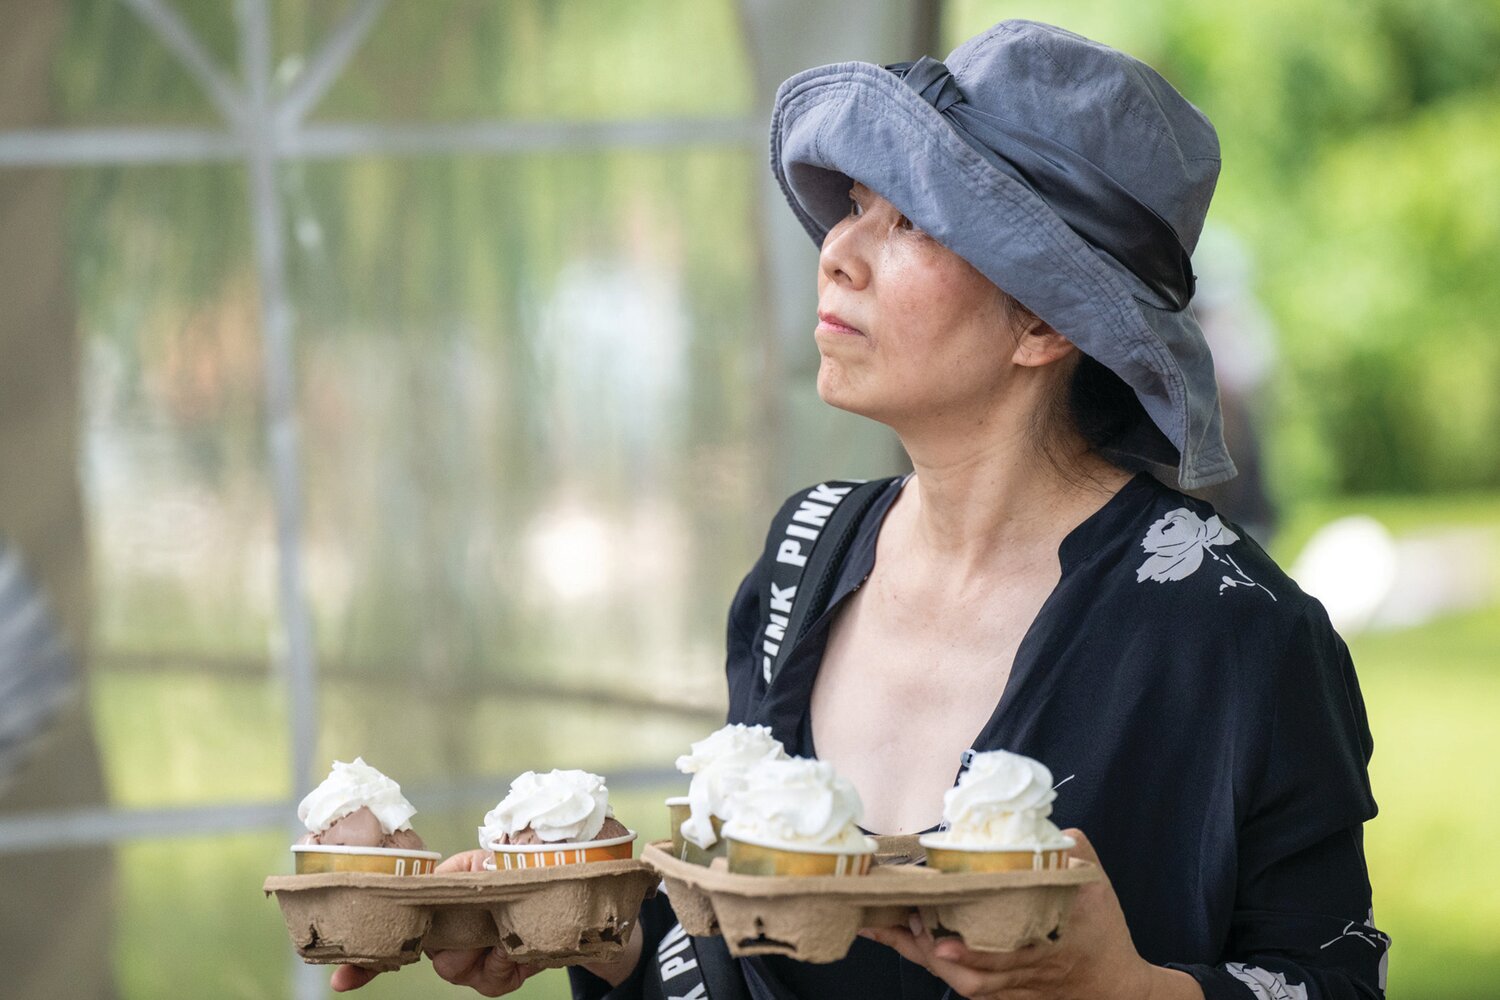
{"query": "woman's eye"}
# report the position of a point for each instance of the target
(904, 223)
(854, 209)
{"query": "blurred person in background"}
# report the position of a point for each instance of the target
(1004, 280)
(1240, 335)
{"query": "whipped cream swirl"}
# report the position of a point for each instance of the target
(1002, 800)
(557, 806)
(349, 787)
(796, 803)
(718, 764)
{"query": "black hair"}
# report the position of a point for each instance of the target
(1095, 402)
(1101, 406)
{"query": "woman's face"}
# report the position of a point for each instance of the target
(907, 329)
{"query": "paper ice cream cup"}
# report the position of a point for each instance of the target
(318, 859)
(506, 857)
(684, 849)
(678, 810)
(948, 857)
(748, 857)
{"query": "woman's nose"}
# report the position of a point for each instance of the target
(845, 255)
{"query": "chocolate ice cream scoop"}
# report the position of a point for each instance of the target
(361, 828)
(611, 828)
(405, 840)
(525, 835)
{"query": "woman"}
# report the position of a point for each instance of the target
(1028, 586)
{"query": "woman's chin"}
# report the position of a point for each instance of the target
(868, 396)
(859, 404)
(837, 395)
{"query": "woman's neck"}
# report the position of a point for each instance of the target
(995, 499)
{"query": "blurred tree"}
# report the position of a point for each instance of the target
(1361, 145)
(61, 948)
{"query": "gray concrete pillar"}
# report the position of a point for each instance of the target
(784, 37)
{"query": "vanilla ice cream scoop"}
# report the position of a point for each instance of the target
(794, 803)
(557, 806)
(718, 763)
(1002, 800)
(350, 788)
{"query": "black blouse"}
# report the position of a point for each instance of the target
(1213, 727)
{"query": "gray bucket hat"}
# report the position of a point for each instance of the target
(1071, 175)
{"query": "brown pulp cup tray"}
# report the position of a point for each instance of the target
(562, 915)
(815, 918)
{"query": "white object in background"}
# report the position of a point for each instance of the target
(1351, 566)
(1369, 580)
(1440, 572)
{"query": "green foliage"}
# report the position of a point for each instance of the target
(1390, 304)
(1361, 145)
(540, 60)
(1428, 692)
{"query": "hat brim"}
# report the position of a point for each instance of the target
(858, 122)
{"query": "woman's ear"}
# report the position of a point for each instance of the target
(1040, 345)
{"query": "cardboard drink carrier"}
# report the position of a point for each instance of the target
(577, 913)
(551, 916)
(816, 918)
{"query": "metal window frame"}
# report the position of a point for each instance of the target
(262, 127)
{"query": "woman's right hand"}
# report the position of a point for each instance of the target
(489, 972)
(485, 970)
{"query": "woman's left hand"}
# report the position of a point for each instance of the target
(1093, 958)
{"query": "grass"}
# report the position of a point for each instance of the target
(191, 919)
(1433, 694)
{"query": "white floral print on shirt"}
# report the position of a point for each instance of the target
(1176, 544)
(1265, 985)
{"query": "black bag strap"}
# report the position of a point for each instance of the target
(698, 968)
(809, 539)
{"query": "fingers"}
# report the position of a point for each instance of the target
(1083, 849)
(350, 977)
(900, 940)
(487, 971)
(464, 861)
(953, 950)
(918, 945)
(974, 982)
(506, 976)
(967, 982)
(974, 974)
(456, 965)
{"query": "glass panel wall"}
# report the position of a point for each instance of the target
(543, 423)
